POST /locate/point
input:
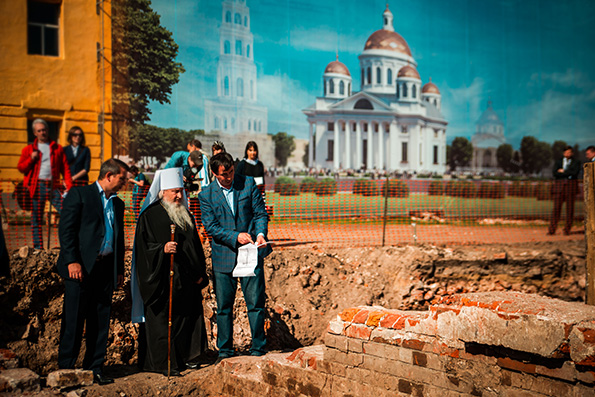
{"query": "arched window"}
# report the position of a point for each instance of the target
(398, 90)
(404, 90)
(228, 16)
(369, 75)
(363, 104)
(233, 122)
(389, 76)
(324, 83)
(342, 88)
(224, 123)
(331, 89)
(414, 91)
(237, 19)
(435, 102)
(252, 89)
(226, 86)
(378, 76)
(259, 126)
(349, 89)
(246, 21)
(248, 51)
(227, 47)
(217, 123)
(249, 125)
(240, 87)
(238, 47)
(363, 77)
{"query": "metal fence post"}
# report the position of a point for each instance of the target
(385, 210)
(589, 190)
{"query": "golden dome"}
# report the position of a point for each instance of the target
(408, 71)
(387, 40)
(430, 88)
(337, 67)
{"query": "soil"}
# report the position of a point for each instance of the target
(306, 287)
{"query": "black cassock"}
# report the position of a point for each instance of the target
(189, 339)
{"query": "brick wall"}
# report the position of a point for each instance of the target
(488, 344)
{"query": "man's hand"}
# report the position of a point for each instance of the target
(34, 155)
(170, 247)
(75, 271)
(120, 281)
(244, 238)
(560, 170)
(260, 240)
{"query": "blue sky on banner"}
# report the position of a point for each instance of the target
(532, 58)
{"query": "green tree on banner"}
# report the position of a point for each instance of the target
(535, 155)
(504, 155)
(460, 153)
(284, 146)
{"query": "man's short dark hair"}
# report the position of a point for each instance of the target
(112, 165)
(196, 157)
(569, 148)
(222, 159)
(196, 143)
(591, 148)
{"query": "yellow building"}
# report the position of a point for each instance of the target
(55, 65)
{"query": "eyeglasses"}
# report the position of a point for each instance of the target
(76, 134)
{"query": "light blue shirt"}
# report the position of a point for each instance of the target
(107, 246)
(228, 193)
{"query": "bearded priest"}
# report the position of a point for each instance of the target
(165, 206)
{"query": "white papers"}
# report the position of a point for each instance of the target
(259, 180)
(247, 260)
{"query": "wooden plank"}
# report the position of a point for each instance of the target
(589, 190)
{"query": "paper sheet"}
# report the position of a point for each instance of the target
(259, 180)
(247, 260)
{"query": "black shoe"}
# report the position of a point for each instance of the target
(173, 372)
(192, 365)
(101, 379)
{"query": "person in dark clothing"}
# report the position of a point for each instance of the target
(78, 156)
(91, 262)
(250, 164)
(564, 189)
(139, 191)
(153, 250)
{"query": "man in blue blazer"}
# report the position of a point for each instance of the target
(233, 214)
(91, 262)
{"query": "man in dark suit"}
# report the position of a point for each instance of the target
(91, 262)
(233, 214)
(565, 188)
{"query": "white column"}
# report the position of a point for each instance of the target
(358, 145)
(393, 144)
(370, 146)
(347, 164)
(336, 147)
(380, 161)
(311, 148)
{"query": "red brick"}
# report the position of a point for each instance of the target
(358, 331)
(374, 318)
(588, 335)
(389, 320)
(348, 314)
(413, 344)
(361, 316)
(515, 365)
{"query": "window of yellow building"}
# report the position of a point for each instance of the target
(43, 25)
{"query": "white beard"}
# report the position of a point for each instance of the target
(178, 214)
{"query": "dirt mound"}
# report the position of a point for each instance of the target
(305, 289)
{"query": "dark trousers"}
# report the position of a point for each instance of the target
(254, 295)
(43, 193)
(564, 190)
(90, 302)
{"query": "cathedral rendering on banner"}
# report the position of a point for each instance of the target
(393, 123)
(234, 116)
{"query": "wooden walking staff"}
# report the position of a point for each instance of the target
(171, 283)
